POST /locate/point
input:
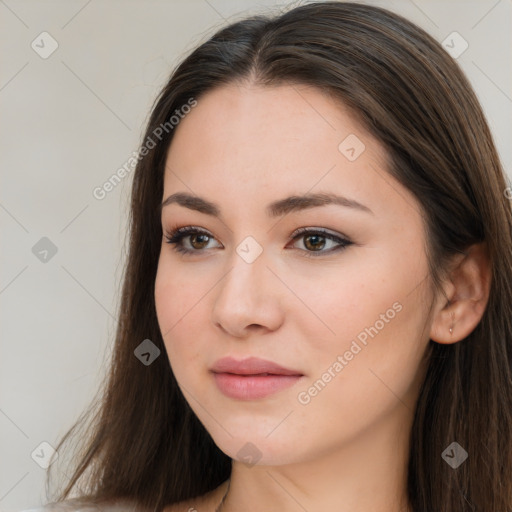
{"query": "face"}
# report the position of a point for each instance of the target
(334, 292)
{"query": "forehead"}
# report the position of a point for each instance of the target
(247, 141)
(239, 117)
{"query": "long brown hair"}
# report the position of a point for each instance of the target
(140, 439)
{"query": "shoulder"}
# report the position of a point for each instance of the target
(205, 503)
(75, 505)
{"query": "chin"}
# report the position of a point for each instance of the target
(252, 446)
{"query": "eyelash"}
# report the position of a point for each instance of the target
(176, 236)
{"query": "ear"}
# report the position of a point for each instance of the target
(467, 289)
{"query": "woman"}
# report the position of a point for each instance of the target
(372, 374)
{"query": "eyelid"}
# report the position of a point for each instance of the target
(323, 231)
(184, 231)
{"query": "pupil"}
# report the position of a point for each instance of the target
(316, 238)
(194, 237)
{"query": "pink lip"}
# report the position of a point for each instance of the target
(250, 366)
(244, 380)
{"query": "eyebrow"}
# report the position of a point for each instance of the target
(274, 209)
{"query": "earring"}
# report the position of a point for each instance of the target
(451, 328)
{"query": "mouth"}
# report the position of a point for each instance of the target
(252, 378)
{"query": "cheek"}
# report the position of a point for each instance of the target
(376, 318)
(177, 303)
(345, 303)
(352, 384)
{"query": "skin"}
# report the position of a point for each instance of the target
(243, 147)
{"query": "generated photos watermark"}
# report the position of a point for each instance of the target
(305, 397)
(150, 143)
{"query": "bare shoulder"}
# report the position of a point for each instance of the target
(205, 503)
(62, 506)
(80, 505)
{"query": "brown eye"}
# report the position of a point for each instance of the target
(199, 241)
(192, 240)
(318, 242)
(314, 242)
(189, 240)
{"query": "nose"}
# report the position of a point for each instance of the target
(248, 299)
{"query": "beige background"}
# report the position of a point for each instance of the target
(68, 122)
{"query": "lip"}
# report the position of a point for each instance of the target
(252, 378)
(251, 366)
